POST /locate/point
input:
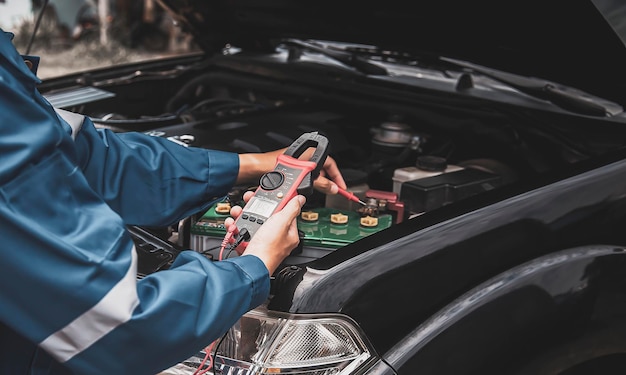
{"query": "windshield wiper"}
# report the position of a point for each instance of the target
(352, 60)
(567, 98)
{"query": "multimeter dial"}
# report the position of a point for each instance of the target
(272, 180)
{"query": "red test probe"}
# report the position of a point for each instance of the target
(350, 196)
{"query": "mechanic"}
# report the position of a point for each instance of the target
(70, 300)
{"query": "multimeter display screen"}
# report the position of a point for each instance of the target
(261, 207)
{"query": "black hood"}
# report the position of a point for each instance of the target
(567, 41)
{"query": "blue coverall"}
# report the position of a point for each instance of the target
(70, 301)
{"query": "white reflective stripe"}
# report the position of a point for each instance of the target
(74, 120)
(113, 310)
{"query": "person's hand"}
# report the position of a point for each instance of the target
(277, 237)
(252, 166)
(330, 178)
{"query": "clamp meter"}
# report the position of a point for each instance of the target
(289, 177)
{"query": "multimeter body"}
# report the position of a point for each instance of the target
(289, 177)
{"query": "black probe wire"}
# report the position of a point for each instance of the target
(243, 235)
(207, 251)
(217, 347)
(229, 252)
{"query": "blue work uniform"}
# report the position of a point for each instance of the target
(70, 301)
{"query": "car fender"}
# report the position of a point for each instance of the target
(504, 319)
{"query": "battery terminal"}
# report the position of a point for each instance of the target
(223, 208)
(338, 218)
(309, 216)
(369, 221)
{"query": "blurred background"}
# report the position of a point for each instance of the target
(76, 35)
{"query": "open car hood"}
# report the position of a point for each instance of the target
(567, 41)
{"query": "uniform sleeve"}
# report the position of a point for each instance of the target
(149, 180)
(68, 264)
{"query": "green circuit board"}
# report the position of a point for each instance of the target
(324, 233)
(211, 223)
(320, 233)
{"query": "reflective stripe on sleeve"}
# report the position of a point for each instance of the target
(114, 309)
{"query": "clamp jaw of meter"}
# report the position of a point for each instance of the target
(289, 177)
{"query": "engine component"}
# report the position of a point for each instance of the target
(384, 201)
(426, 194)
(370, 209)
(395, 134)
(426, 166)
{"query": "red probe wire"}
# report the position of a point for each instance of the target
(227, 237)
(207, 356)
(350, 196)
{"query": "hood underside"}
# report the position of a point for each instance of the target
(566, 41)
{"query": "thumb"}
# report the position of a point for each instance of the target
(291, 209)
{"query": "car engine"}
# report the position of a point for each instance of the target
(402, 158)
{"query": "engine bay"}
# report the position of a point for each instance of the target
(401, 159)
(382, 161)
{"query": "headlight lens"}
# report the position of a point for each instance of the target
(265, 342)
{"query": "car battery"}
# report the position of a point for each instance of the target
(426, 194)
(209, 230)
(320, 227)
(332, 228)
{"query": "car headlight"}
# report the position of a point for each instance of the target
(264, 342)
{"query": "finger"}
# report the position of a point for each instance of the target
(229, 221)
(325, 185)
(333, 173)
(290, 211)
(235, 211)
(247, 195)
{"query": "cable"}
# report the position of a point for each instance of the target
(207, 356)
(243, 235)
(210, 357)
(219, 343)
(229, 252)
(207, 251)
(227, 237)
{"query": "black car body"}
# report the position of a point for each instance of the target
(510, 262)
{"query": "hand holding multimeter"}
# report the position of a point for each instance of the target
(289, 178)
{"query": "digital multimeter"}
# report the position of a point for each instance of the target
(289, 177)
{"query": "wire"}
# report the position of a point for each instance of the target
(227, 237)
(243, 235)
(207, 251)
(229, 252)
(207, 356)
(219, 343)
(215, 345)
